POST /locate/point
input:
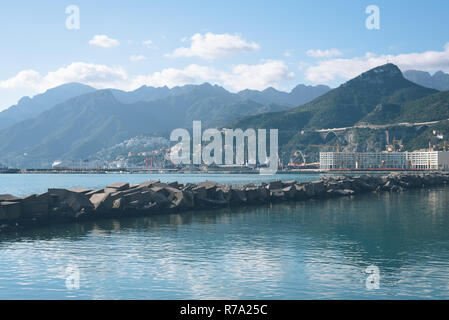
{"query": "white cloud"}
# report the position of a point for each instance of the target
(328, 53)
(24, 79)
(171, 77)
(99, 76)
(259, 76)
(147, 43)
(211, 46)
(329, 70)
(102, 40)
(137, 58)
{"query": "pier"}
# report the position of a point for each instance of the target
(155, 197)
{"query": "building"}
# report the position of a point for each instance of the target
(363, 160)
(428, 160)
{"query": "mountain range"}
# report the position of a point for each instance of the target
(347, 104)
(379, 96)
(50, 127)
(28, 108)
(299, 95)
(82, 125)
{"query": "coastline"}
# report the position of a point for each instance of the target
(154, 197)
(207, 172)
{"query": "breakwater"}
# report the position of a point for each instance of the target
(155, 197)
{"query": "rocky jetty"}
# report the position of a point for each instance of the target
(153, 197)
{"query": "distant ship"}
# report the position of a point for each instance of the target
(9, 170)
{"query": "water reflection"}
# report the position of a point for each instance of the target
(312, 249)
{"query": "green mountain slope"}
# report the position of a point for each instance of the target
(347, 104)
(299, 95)
(379, 96)
(431, 108)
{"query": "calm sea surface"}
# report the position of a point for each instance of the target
(303, 250)
(25, 184)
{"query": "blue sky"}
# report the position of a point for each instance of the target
(237, 44)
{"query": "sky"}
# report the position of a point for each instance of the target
(235, 44)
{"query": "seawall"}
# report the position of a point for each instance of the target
(155, 197)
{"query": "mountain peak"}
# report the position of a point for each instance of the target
(270, 90)
(24, 100)
(69, 87)
(380, 75)
(27, 107)
(388, 70)
(439, 80)
(301, 88)
(439, 73)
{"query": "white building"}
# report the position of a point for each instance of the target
(432, 160)
(428, 160)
